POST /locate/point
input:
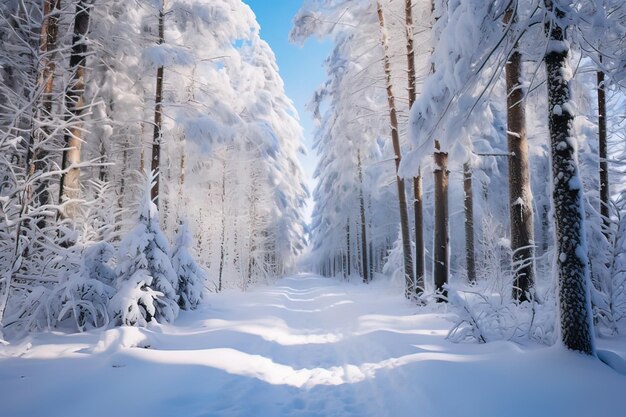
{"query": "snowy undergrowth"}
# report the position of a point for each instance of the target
(303, 346)
(483, 316)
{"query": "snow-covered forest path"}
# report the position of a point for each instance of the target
(306, 346)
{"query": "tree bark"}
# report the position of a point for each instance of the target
(364, 266)
(158, 118)
(348, 247)
(417, 181)
(602, 151)
(36, 154)
(572, 262)
(395, 138)
(69, 188)
(181, 178)
(223, 231)
(520, 195)
(470, 259)
(418, 210)
(440, 270)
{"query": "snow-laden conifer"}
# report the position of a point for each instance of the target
(191, 277)
(146, 281)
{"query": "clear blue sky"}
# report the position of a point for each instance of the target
(300, 67)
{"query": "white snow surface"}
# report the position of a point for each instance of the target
(305, 346)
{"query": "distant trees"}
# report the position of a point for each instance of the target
(356, 170)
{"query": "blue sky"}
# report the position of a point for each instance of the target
(300, 67)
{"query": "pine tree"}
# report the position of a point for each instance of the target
(190, 276)
(146, 282)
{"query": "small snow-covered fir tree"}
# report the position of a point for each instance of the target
(190, 276)
(81, 300)
(146, 282)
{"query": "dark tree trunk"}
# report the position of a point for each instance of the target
(371, 260)
(520, 195)
(418, 208)
(348, 247)
(469, 222)
(364, 266)
(440, 269)
(158, 119)
(223, 231)
(395, 138)
(571, 251)
(602, 150)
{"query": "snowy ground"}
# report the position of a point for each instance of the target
(307, 346)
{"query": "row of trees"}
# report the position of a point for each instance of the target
(475, 113)
(124, 126)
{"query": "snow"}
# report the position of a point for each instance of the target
(305, 346)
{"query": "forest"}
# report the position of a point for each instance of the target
(468, 208)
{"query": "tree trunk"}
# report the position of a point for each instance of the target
(395, 138)
(364, 266)
(69, 188)
(223, 231)
(469, 223)
(440, 270)
(602, 150)
(418, 208)
(158, 118)
(572, 262)
(348, 246)
(181, 178)
(36, 154)
(371, 259)
(520, 195)
(417, 181)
